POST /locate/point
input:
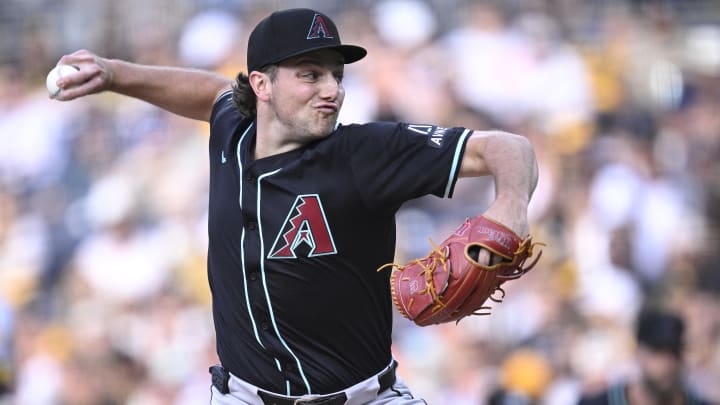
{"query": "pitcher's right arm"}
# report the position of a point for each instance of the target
(186, 92)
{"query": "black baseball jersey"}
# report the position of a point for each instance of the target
(296, 239)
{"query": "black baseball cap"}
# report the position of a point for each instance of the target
(292, 32)
(661, 331)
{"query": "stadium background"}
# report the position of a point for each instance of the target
(103, 295)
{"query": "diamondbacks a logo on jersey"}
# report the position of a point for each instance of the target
(318, 28)
(435, 134)
(305, 227)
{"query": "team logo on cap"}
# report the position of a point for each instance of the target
(318, 28)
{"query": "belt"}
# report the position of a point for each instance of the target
(333, 399)
(220, 379)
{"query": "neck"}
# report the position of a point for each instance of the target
(272, 138)
(268, 145)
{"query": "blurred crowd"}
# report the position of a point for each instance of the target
(103, 234)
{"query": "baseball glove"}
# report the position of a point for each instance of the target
(449, 284)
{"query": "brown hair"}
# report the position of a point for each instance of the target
(243, 95)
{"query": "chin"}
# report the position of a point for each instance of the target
(325, 130)
(323, 134)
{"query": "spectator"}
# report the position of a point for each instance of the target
(661, 341)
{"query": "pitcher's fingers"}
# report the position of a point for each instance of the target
(91, 86)
(85, 74)
(484, 257)
(77, 58)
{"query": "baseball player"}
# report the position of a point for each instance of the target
(301, 210)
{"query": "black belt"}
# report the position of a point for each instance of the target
(221, 378)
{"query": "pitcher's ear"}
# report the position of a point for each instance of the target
(261, 85)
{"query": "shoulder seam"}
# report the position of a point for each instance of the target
(223, 94)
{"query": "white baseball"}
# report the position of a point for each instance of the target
(55, 74)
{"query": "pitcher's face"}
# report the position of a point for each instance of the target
(307, 93)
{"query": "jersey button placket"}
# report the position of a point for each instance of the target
(289, 371)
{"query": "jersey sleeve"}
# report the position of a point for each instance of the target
(224, 118)
(394, 162)
(223, 106)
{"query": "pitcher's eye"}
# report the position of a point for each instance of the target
(310, 75)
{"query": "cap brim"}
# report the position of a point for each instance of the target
(350, 53)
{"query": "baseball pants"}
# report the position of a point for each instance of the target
(362, 393)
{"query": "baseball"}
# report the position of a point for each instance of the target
(55, 74)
